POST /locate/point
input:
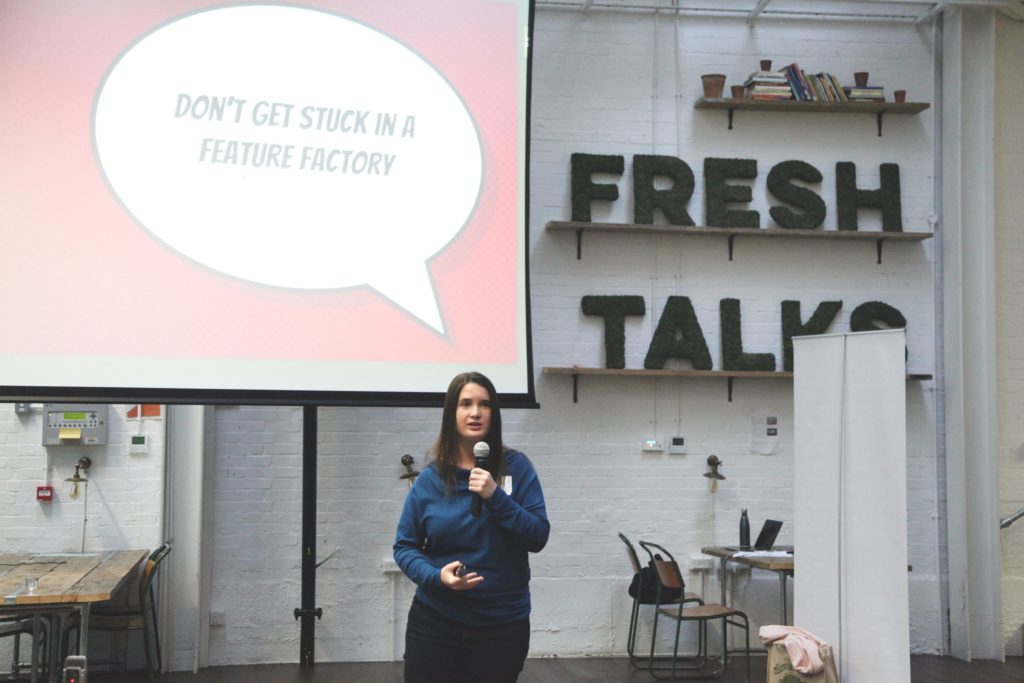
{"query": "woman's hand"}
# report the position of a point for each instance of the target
(451, 579)
(481, 483)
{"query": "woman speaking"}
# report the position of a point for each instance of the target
(470, 618)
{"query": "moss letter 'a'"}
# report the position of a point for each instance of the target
(678, 336)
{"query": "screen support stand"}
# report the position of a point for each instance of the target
(308, 609)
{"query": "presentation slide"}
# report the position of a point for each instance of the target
(263, 202)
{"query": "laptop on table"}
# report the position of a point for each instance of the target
(765, 539)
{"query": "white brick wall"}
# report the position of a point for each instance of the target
(593, 93)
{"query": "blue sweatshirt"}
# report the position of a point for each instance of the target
(435, 530)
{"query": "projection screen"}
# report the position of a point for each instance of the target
(242, 202)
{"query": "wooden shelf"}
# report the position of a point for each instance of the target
(576, 371)
(795, 106)
(732, 233)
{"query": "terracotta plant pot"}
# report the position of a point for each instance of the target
(766, 65)
(860, 78)
(714, 85)
(737, 92)
(900, 95)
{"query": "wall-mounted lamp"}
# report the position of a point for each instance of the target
(410, 473)
(714, 462)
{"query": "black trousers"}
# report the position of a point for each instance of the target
(439, 650)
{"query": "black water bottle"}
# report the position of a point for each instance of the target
(744, 530)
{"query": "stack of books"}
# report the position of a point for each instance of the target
(868, 93)
(768, 85)
(821, 87)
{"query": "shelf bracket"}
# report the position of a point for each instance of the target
(729, 380)
(731, 110)
(731, 239)
(575, 388)
(579, 246)
(878, 249)
(878, 118)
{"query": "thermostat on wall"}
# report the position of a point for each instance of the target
(677, 446)
(139, 444)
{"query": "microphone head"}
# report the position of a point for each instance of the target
(481, 449)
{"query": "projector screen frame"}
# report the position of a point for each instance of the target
(237, 396)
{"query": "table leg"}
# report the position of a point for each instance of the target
(782, 584)
(725, 629)
(34, 668)
(83, 629)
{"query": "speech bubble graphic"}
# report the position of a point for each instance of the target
(291, 147)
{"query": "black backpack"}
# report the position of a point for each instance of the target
(648, 577)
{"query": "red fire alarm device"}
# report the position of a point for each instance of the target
(44, 493)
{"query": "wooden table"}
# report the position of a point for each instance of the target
(66, 582)
(783, 566)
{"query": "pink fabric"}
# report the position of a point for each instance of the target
(801, 646)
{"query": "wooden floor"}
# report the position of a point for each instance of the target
(924, 669)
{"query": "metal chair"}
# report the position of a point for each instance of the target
(669, 576)
(643, 588)
(17, 626)
(105, 616)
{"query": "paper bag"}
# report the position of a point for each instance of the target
(780, 668)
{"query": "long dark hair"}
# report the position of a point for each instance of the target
(446, 448)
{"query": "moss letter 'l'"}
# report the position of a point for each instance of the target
(733, 357)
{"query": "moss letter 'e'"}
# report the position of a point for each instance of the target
(718, 194)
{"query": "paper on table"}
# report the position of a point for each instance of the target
(763, 553)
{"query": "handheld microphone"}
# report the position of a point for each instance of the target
(480, 452)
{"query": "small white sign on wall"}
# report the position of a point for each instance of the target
(764, 432)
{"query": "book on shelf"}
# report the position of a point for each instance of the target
(871, 93)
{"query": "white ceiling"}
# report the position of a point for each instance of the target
(915, 11)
